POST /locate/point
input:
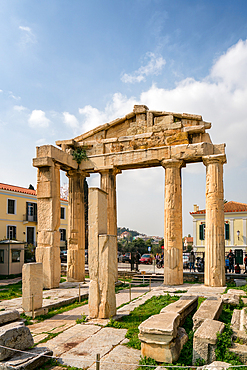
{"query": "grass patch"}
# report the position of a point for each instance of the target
(62, 280)
(10, 291)
(53, 312)
(140, 314)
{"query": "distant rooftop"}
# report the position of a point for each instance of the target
(19, 189)
(228, 207)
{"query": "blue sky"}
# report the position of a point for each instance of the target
(68, 66)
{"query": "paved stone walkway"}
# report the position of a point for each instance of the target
(77, 344)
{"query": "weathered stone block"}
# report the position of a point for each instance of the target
(209, 309)
(184, 306)
(9, 316)
(240, 350)
(232, 299)
(35, 358)
(32, 286)
(165, 352)
(205, 339)
(50, 258)
(14, 335)
(177, 139)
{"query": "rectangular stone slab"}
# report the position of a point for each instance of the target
(209, 309)
(184, 306)
(205, 339)
(14, 335)
(164, 324)
(9, 316)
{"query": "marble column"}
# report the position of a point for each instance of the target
(214, 274)
(48, 206)
(102, 299)
(76, 227)
(173, 245)
(108, 184)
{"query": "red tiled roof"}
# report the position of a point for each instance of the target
(228, 207)
(189, 239)
(17, 189)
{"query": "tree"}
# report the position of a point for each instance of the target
(31, 187)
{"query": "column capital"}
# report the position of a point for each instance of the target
(113, 170)
(71, 173)
(215, 158)
(168, 163)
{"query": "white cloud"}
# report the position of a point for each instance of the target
(117, 107)
(19, 108)
(70, 120)
(27, 36)
(38, 119)
(11, 95)
(153, 67)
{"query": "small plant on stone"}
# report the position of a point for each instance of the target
(79, 155)
(83, 319)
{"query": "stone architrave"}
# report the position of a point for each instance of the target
(76, 227)
(102, 300)
(214, 274)
(108, 184)
(173, 246)
(32, 286)
(48, 204)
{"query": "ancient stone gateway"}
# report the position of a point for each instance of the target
(141, 139)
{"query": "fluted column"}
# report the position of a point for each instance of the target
(76, 227)
(108, 184)
(173, 246)
(214, 274)
(48, 206)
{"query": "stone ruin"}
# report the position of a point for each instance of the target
(142, 139)
(16, 343)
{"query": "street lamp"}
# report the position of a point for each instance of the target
(238, 233)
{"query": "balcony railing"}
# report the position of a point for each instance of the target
(28, 218)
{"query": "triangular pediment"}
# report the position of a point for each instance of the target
(141, 129)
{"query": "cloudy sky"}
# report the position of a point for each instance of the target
(68, 66)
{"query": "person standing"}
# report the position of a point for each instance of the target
(231, 258)
(192, 259)
(132, 261)
(245, 264)
(137, 258)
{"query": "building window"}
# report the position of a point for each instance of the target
(227, 231)
(16, 255)
(62, 213)
(202, 232)
(31, 211)
(1, 255)
(11, 206)
(11, 232)
(62, 235)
